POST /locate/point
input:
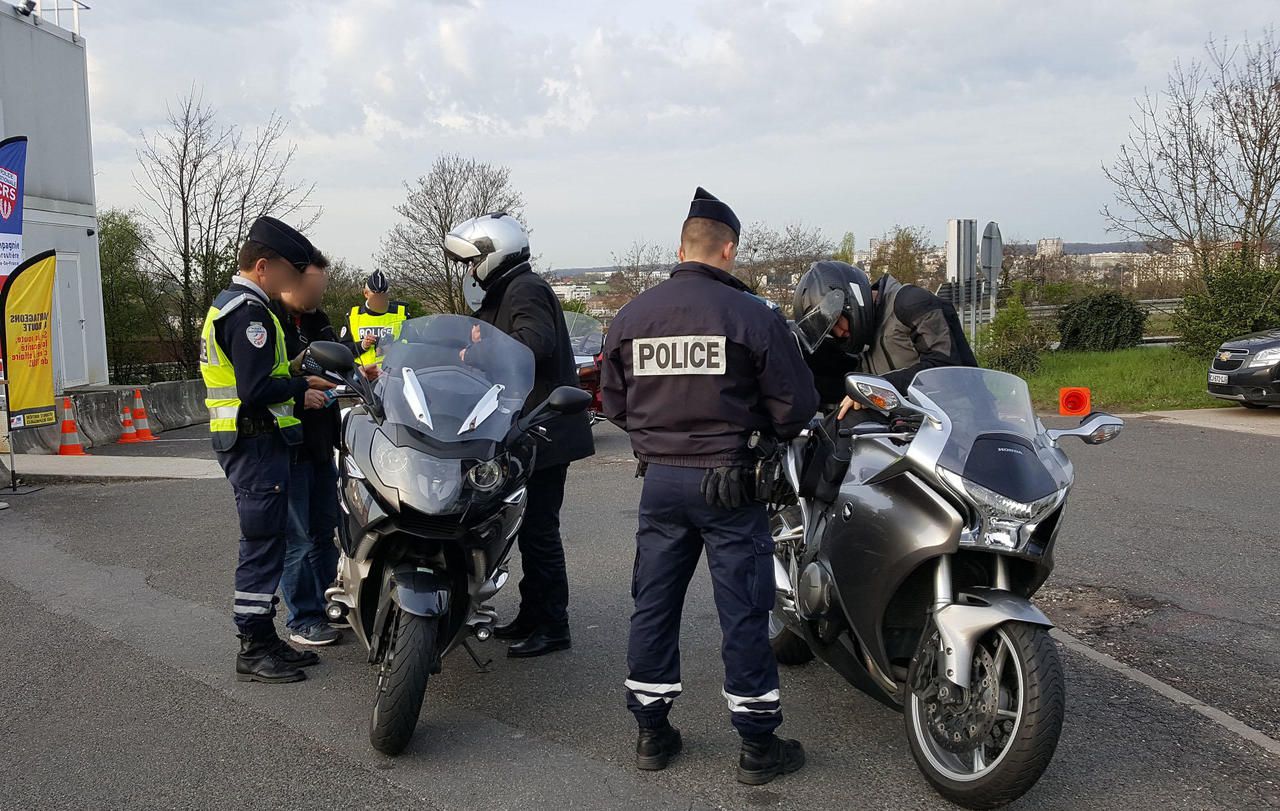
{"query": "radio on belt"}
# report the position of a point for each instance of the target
(678, 355)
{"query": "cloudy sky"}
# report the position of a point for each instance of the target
(849, 115)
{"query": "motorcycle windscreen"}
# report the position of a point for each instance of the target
(586, 335)
(991, 415)
(455, 379)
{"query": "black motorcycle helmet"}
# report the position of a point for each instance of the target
(828, 290)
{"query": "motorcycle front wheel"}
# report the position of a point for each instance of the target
(402, 682)
(987, 746)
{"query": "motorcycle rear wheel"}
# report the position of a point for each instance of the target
(789, 648)
(402, 682)
(1014, 753)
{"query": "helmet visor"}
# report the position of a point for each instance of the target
(815, 325)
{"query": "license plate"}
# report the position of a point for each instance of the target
(1221, 380)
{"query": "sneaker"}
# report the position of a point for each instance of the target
(315, 635)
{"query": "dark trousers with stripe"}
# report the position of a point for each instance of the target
(258, 469)
(676, 524)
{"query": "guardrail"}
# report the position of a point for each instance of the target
(1049, 312)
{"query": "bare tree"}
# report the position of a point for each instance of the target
(204, 184)
(1201, 169)
(454, 190)
(640, 267)
(767, 256)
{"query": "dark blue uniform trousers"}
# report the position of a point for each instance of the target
(258, 469)
(675, 524)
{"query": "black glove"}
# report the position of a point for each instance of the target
(725, 487)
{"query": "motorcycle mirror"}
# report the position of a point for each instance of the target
(568, 400)
(1094, 429)
(332, 357)
(874, 393)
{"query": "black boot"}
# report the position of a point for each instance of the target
(655, 747)
(291, 655)
(259, 661)
(763, 760)
(542, 642)
(519, 628)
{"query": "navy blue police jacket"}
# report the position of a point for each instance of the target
(253, 363)
(695, 365)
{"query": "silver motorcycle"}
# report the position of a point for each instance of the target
(915, 579)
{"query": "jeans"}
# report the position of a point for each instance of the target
(311, 554)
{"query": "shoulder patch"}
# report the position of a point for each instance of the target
(256, 333)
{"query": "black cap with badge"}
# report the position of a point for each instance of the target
(707, 205)
(285, 240)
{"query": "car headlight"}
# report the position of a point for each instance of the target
(1267, 357)
(486, 476)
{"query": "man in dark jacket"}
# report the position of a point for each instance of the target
(519, 302)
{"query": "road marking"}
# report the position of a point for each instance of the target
(1222, 719)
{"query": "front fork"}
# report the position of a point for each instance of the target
(964, 619)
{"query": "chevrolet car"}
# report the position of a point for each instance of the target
(1245, 370)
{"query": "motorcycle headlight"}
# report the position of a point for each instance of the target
(428, 485)
(486, 476)
(1267, 357)
(1003, 519)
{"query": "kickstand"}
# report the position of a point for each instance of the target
(483, 667)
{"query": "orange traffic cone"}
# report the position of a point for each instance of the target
(70, 445)
(140, 418)
(128, 436)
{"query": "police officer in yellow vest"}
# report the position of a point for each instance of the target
(375, 324)
(250, 396)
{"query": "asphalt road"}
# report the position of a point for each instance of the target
(119, 688)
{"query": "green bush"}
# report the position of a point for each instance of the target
(1234, 301)
(1101, 323)
(1014, 341)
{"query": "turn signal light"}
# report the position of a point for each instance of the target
(1075, 401)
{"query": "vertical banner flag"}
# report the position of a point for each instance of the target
(26, 342)
(13, 159)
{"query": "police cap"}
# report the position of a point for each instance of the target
(292, 246)
(707, 205)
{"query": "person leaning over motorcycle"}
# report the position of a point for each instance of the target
(495, 249)
(894, 330)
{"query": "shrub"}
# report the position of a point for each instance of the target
(1234, 300)
(1101, 323)
(1015, 341)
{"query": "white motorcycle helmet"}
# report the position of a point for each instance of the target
(489, 246)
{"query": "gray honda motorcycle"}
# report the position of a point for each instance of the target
(914, 581)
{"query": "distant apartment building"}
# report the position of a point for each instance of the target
(1049, 247)
(572, 292)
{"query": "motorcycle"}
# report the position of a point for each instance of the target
(432, 467)
(915, 581)
(586, 336)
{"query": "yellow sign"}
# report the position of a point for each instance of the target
(26, 303)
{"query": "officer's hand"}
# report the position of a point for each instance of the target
(475, 333)
(847, 405)
(319, 383)
(314, 399)
(368, 341)
(725, 487)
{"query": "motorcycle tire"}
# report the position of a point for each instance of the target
(402, 682)
(789, 648)
(1034, 736)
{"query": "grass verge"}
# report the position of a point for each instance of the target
(1152, 378)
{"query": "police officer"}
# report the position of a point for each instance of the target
(692, 368)
(377, 321)
(250, 396)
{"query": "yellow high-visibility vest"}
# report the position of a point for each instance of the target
(221, 395)
(385, 327)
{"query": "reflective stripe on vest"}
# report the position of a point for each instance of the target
(384, 326)
(222, 396)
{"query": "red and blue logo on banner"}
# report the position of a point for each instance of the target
(13, 161)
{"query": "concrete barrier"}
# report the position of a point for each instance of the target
(169, 405)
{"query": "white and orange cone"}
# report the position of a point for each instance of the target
(140, 423)
(70, 444)
(129, 435)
